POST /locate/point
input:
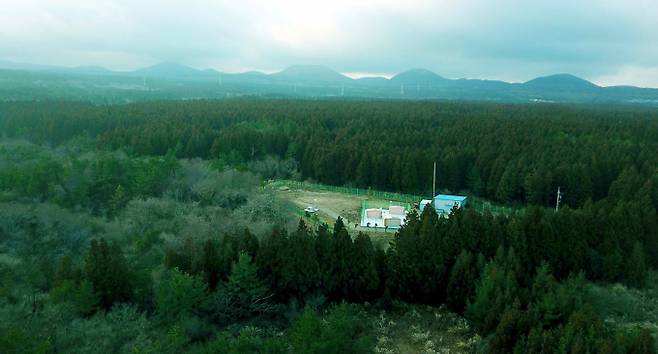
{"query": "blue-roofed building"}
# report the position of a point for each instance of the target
(443, 203)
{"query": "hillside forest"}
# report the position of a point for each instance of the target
(149, 228)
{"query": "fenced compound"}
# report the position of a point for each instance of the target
(384, 198)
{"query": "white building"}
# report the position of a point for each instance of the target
(393, 217)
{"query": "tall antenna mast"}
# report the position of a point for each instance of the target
(402, 89)
(558, 199)
(434, 181)
(342, 90)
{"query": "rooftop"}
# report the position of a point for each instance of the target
(456, 198)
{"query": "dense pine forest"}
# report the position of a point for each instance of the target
(149, 228)
(511, 154)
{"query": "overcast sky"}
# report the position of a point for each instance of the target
(606, 41)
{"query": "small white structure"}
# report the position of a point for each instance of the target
(424, 203)
(311, 209)
(393, 217)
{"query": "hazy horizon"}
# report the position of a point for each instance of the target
(351, 75)
(608, 43)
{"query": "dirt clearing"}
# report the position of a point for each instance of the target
(334, 204)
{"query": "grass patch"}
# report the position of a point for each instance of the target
(422, 329)
(625, 307)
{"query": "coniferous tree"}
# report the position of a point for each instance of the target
(461, 284)
(543, 284)
(365, 278)
(474, 181)
(271, 261)
(323, 242)
(636, 267)
(229, 251)
(642, 343)
(118, 200)
(300, 272)
(539, 341)
(210, 264)
(403, 258)
(554, 307)
(306, 331)
(435, 252)
(509, 330)
(247, 292)
(106, 269)
(248, 243)
(180, 257)
(86, 300)
(179, 295)
(495, 292)
(340, 280)
(583, 333)
(65, 271)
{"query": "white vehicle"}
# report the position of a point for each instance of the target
(311, 209)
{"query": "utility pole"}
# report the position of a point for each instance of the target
(558, 199)
(434, 181)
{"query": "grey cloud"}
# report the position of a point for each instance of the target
(506, 39)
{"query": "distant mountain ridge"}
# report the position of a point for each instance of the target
(321, 81)
(299, 73)
(561, 81)
(310, 73)
(418, 77)
(171, 70)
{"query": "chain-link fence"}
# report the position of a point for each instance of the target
(385, 204)
(486, 206)
(317, 187)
